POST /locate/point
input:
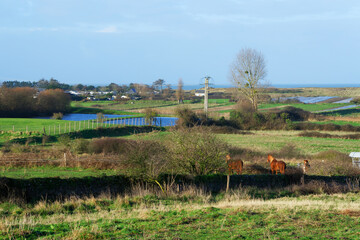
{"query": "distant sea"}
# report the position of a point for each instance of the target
(192, 87)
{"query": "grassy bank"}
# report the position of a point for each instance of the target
(232, 216)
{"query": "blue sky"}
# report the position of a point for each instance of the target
(103, 41)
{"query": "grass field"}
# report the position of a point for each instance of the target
(270, 141)
(21, 127)
(32, 125)
(306, 107)
(232, 216)
(131, 104)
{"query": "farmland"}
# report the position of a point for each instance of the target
(127, 182)
(150, 217)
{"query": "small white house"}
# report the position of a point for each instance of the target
(355, 156)
(200, 93)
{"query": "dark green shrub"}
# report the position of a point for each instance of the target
(80, 146)
(146, 159)
(64, 140)
(109, 145)
(150, 115)
(186, 117)
(196, 151)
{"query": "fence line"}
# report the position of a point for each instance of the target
(69, 127)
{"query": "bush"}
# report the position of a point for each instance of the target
(100, 117)
(196, 151)
(57, 116)
(146, 159)
(326, 135)
(109, 145)
(18, 148)
(333, 163)
(355, 100)
(150, 115)
(64, 140)
(325, 127)
(293, 113)
(290, 151)
(186, 117)
(80, 146)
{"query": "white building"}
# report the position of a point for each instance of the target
(355, 156)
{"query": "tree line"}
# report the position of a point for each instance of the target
(29, 102)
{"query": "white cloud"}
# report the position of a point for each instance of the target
(248, 19)
(129, 28)
(109, 29)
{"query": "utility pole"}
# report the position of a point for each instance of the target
(206, 96)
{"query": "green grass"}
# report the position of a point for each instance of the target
(150, 217)
(131, 104)
(270, 141)
(49, 172)
(21, 124)
(88, 110)
(307, 107)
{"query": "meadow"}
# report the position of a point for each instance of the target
(91, 194)
(232, 216)
(272, 141)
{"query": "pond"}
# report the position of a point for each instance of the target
(138, 121)
(84, 116)
(158, 121)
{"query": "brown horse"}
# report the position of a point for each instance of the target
(236, 165)
(306, 166)
(276, 165)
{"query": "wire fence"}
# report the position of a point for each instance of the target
(73, 126)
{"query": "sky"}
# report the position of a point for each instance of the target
(98, 42)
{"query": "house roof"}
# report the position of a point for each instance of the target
(354, 154)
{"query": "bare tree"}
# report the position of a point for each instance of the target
(248, 73)
(159, 83)
(167, 91)
(180, 92)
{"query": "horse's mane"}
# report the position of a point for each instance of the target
(271, 158)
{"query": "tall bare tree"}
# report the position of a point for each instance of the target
(248, 73)
(180, 92)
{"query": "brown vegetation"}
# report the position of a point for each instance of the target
(23, 102)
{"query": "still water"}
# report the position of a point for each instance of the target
(158, 121)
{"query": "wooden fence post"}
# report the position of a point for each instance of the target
(227, 182)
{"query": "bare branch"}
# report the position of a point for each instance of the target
(248, 73)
